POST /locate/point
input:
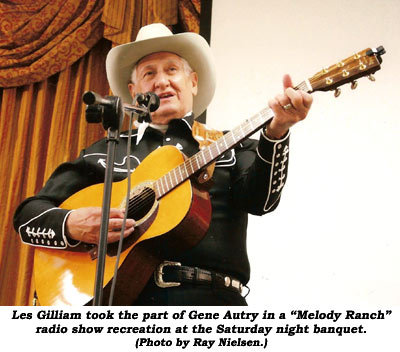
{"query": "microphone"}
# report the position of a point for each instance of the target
(90, 98)
(107, 109)
(147, 103)
(150, 100)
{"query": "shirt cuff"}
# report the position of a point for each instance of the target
(271, 149)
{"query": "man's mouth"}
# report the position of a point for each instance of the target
(164, 96)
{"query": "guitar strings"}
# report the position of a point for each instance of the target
(148, 196)
(143, 197)
(141, 201)
(197, 161)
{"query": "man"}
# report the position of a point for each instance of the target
(248, 179)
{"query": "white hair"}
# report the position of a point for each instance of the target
(187, 69)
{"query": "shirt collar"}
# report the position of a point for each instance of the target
(188, 120)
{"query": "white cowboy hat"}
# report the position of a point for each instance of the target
(155, 38)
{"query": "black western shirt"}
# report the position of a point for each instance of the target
(247, 179)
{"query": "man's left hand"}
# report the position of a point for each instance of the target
(289, 108)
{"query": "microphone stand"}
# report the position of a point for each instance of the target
(110, 111)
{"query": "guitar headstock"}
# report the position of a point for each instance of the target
(364, 63)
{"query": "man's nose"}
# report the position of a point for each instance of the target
(161, 80)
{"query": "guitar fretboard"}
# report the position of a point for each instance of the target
(210, 153)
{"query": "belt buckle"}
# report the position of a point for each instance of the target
(158, 275)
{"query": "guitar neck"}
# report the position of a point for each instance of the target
(210, 153)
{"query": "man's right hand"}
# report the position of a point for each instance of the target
(83, 224)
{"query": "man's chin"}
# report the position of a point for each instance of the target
(163, 116)
(163, 119)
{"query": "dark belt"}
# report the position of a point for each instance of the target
(170, 274)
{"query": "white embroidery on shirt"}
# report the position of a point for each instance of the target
(102, 162)
(223, 162)
(40, 233)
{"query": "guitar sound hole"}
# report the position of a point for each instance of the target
(141, 204)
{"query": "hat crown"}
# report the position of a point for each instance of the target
(153, 31)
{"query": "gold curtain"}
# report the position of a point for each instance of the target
(51, 51)
(41, 38)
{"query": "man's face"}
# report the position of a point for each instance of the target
(164, 73)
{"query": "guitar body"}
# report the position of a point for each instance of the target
(175, 222)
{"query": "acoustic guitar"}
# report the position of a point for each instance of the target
(171, 211)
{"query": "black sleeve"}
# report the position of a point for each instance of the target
(38, 219)
(260, 173)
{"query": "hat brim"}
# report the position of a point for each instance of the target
(190, 46)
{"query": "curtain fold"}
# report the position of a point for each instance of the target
(189, 13)
(48, 58)
(123, 18)
(37, 42)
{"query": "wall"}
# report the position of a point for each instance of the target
(335, 236)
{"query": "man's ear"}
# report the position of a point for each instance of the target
(131, 88)
(195, 80)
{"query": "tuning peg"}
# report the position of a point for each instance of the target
(371, 77)
(354, 85)
(337, 92)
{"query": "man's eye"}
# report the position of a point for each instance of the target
(147, 73)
